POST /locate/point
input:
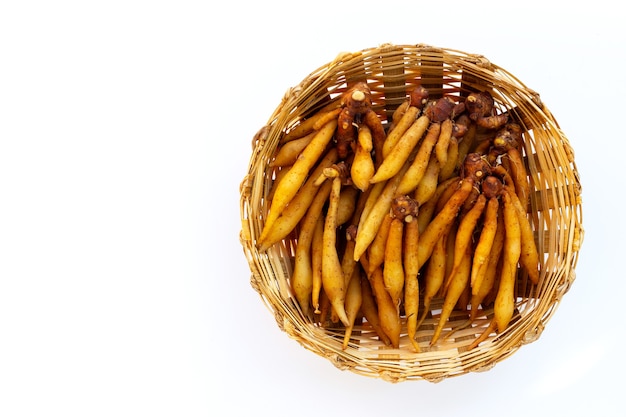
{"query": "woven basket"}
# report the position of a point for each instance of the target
(555, 208)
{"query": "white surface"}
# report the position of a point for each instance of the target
(125, 130)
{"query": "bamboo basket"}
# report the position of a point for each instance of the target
(555, 210)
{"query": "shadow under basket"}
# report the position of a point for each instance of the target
(554, 209)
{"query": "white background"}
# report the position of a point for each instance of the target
(125, 131)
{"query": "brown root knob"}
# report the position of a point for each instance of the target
(479, 105)
(492, 186)
(351, 232)
(418, 97)
(404, 208)
(459, 130)
(476, 167)
(358, 99)
(492, 122)
(440, 110)
(506, 139)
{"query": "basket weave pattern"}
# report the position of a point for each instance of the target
(555, 210)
